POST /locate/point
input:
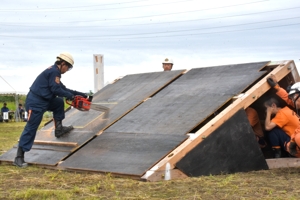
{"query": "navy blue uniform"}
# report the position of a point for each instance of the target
(4, 109)
(45, 94)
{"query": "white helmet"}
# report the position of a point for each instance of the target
(294, 89)
(66, 57)
(167, 61)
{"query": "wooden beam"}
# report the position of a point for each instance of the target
(283, 162)
(243, 101)
(65, 144)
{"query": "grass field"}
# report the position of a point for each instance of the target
(11, 105)
(38, 183)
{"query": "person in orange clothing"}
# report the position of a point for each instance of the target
(292, 99)
(294, 145)
(281, 126)
(282, 93)
(256, 126)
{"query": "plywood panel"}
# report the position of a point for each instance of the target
(121, 97)
(38, 156)
(189, 100)
(126, 153)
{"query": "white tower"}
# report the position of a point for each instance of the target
(98, 72)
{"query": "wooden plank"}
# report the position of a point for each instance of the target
(53, 143)
(250, 96)
(283, 163)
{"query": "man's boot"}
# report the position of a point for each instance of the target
(19, 159)
(292, 148)
(61, 130)
(277, 152)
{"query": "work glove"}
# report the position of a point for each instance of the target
(272, 83)
(90, 98)
(81, 94)
(70, 98)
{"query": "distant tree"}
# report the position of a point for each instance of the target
(90, 93)
(7, 98)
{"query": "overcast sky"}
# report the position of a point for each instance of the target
(135, 36)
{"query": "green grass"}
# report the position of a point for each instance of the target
(38, 183)
(10, 134)
(11, 105)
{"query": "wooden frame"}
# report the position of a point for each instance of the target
(243, 101)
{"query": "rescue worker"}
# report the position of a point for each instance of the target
(21, 111)
(292, 99)
(4, 108)
(46, 94)
(167, 64)
(256, 126)
(281, 127)
(294, 145)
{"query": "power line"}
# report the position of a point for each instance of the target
(203, 19)
(162, 32)
(249, 29)
(75, 10)
(156, 15)
(214, 32)
(10, 10)
(180, 13)
(125, 35)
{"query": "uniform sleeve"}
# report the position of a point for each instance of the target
(74, 92)
(284, 96)
(56, 86)
(280, 119)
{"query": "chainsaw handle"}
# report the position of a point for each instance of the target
(69, 102)
(74, 100)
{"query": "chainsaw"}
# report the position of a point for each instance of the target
(85, 104)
